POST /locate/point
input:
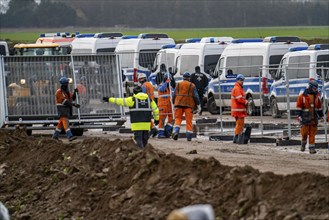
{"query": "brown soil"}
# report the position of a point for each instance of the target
(107, 178)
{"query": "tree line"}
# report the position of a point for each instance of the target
(164, 13)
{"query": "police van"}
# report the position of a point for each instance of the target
(137, 55)
(95, 43)
(204, 53)
(257, 61)
(297, 68)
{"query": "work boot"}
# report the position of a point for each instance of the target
(70, 135)
(312, 149)
(240, 139)
(56, 134)
(153, 132)
(303, 146)
(235, 138)
(189, 136)
(176, 133)
(200, 113)
(168, 130)
(161, 134)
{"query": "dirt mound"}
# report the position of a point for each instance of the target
(97, 178)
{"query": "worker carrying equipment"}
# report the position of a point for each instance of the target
(141, 108)
(185, 99)
(238, 108)
(64, 103)
(309, 112)
(165, 107)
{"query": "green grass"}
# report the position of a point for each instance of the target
(304, 32)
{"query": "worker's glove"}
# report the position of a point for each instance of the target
(199, 108)
(167, 80)
(76, 91)
(299, 119)
(106, 99)
(156, 122)
(321, 120)
(76, 105)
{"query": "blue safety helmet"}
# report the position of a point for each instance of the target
(186, 75)
(64, 80)
(240, 77)
(313, 84)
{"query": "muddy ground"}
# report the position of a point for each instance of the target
(104, 176)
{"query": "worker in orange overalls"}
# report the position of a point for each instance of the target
(64, 105)
(186, 98)
(165, 107)
(147, 88)
(238, 108)
(309, 112)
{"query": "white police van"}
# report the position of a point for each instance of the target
(257, 61)
(137, 55)
(298, 67)
(203, 52)
(95, 43)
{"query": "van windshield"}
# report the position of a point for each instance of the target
(298, 67)
(147, 57)
(274, 63)
(249, 66)
(210, 62)
(188, 63)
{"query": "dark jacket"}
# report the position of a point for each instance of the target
(200, 81)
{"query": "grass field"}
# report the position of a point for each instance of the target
(304, 32)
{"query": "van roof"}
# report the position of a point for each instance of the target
(137, 43)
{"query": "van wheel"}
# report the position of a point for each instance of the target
(251, 109)
(212, 107)
(275, 109)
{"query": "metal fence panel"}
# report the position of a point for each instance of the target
(31, 83)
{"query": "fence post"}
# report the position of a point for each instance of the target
(2, 88)
(324, 103)
(220, 105)
(288, 102)
(75, 84)
(261, 101)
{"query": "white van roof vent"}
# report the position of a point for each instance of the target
(319, 47)
(275, 39)
(108, 35)
(153, 36)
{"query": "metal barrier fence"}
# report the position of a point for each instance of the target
(29, 85)
(275, 104)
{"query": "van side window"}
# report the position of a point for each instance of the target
(249, 66)
(147, 57)
(105, 50)
(323, 61)
(298, 67)
(2, 50)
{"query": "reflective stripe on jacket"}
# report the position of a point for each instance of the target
(309, 107)
(238, 101)
(139, 116)
(186, 95)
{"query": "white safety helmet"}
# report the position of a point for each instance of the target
(141, 76)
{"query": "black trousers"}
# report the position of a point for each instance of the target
(141, 138)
